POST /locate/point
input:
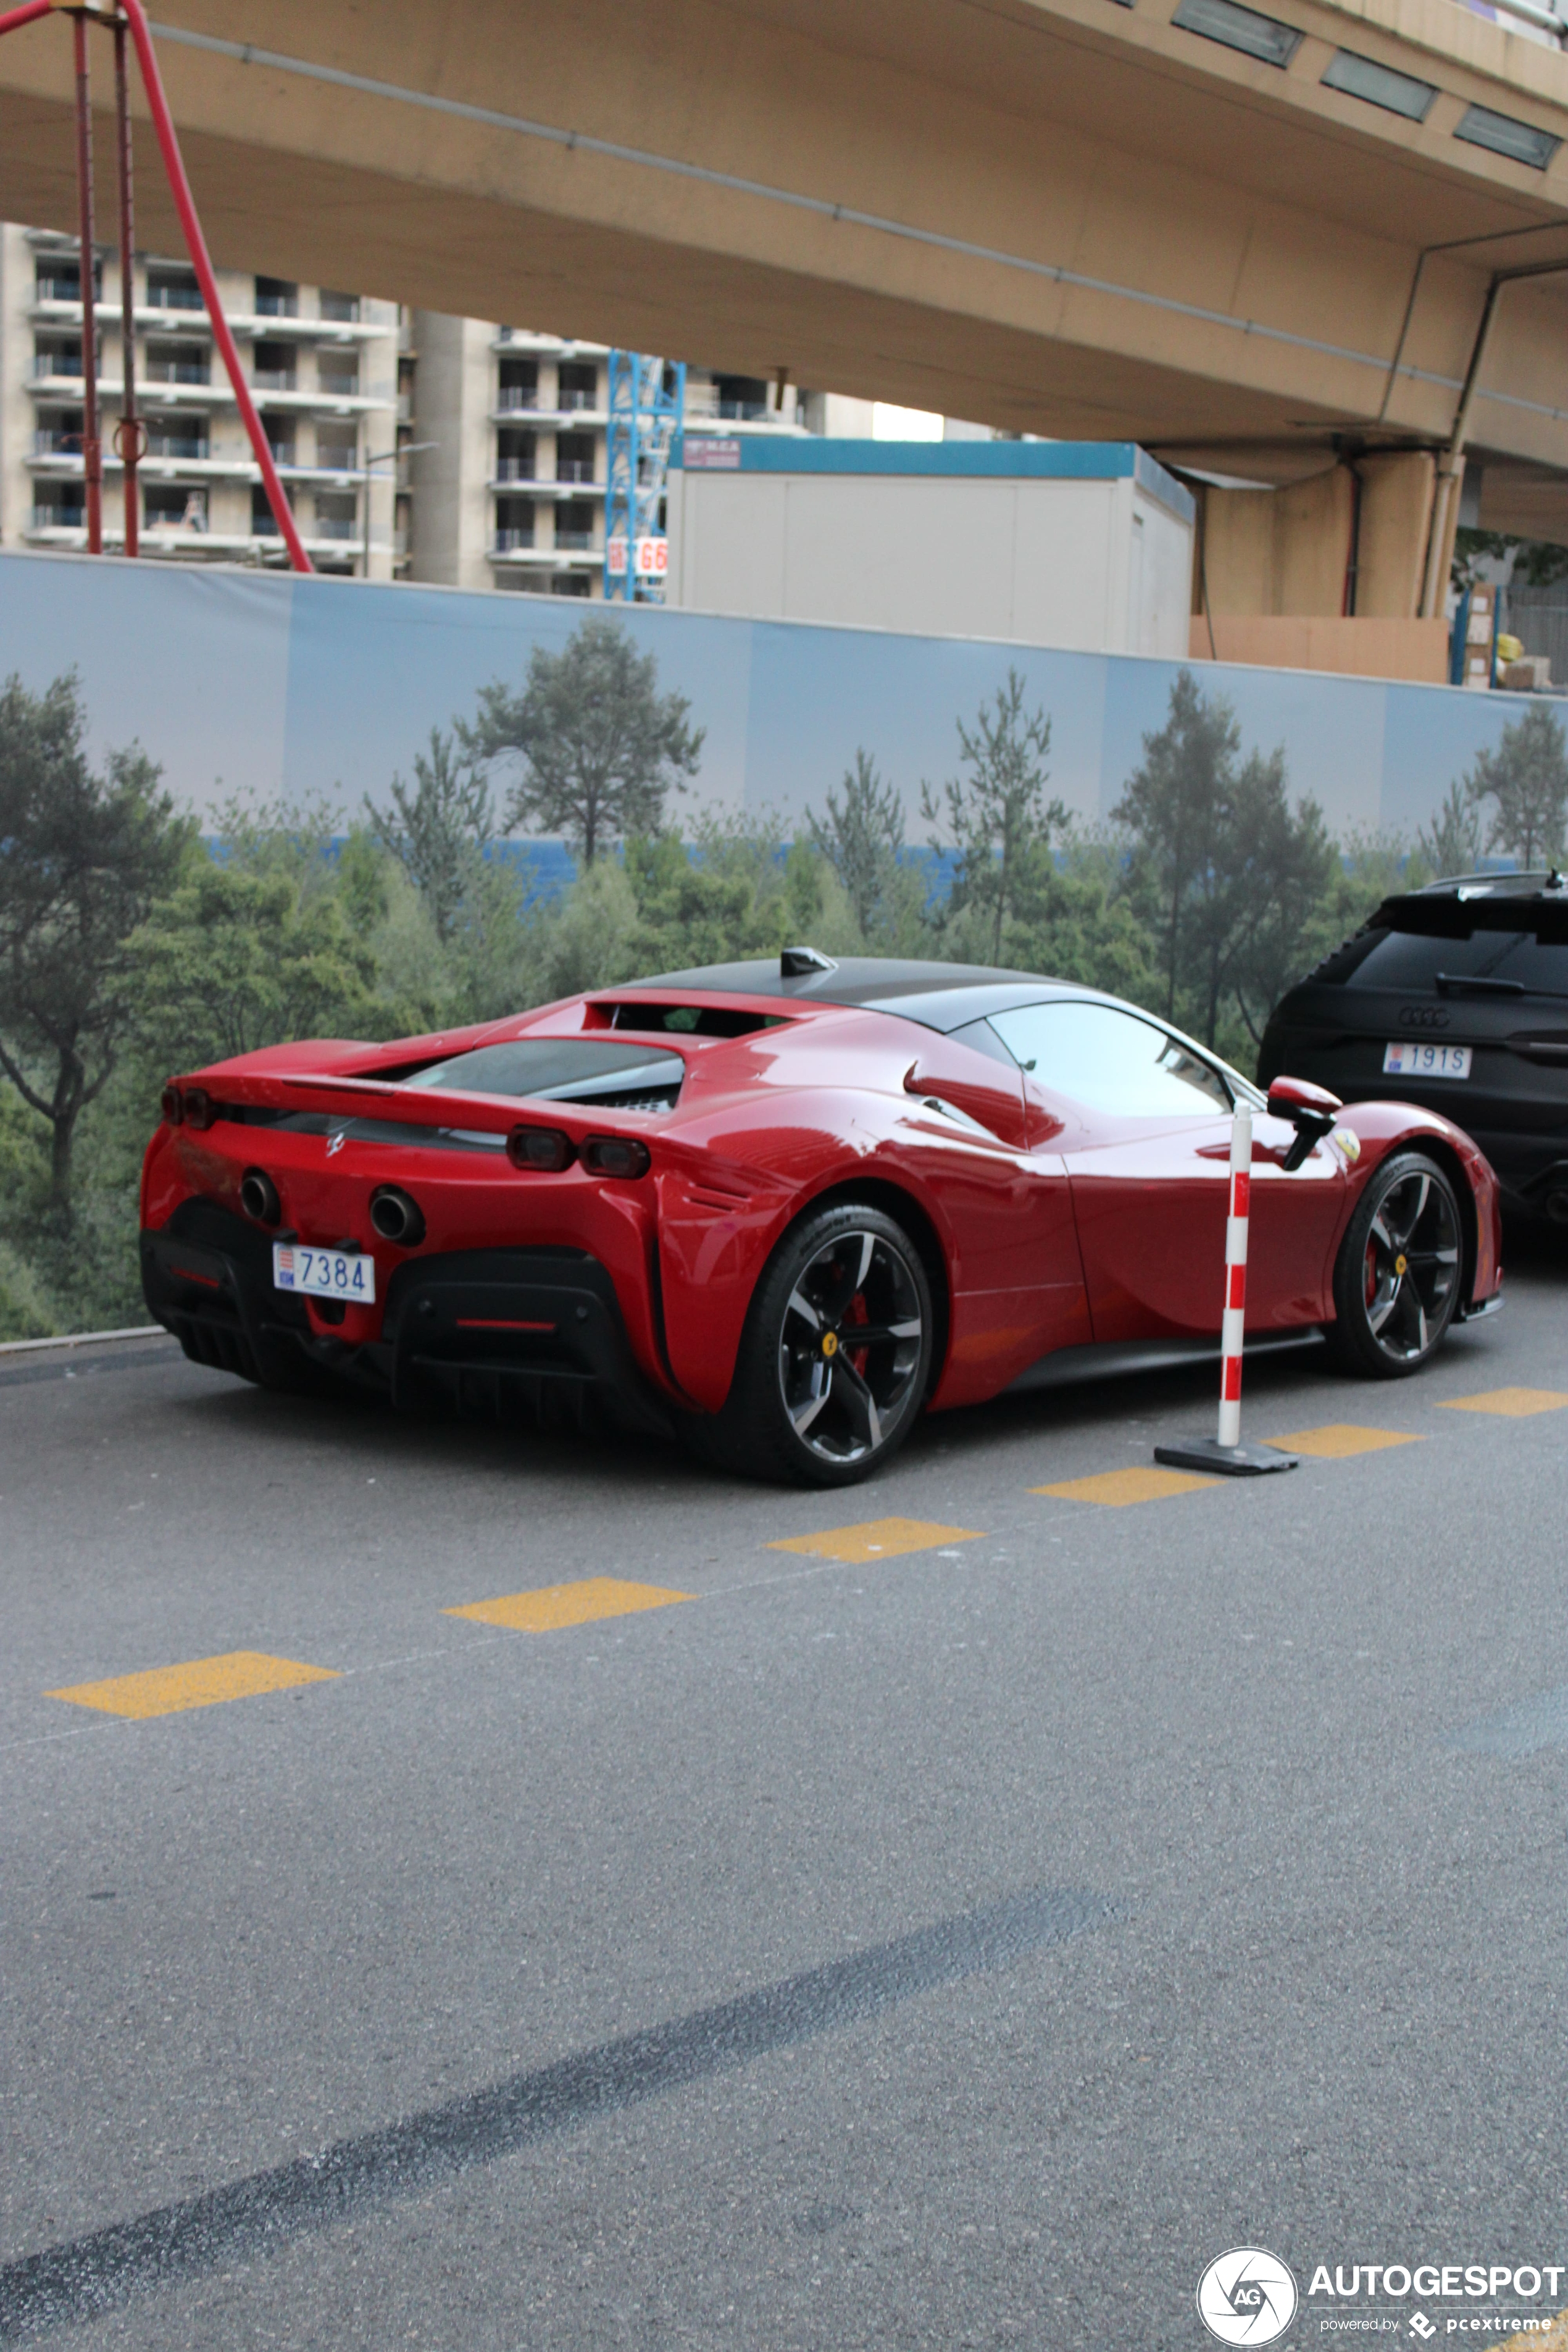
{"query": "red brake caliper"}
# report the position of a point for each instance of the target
(859, 1357)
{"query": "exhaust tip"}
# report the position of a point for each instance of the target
(396, 1216)
(258, 1197)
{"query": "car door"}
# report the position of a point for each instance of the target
(1016, 1274)
(1142, 1122)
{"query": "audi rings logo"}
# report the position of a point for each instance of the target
(1422, 1016)
(1247, 2296)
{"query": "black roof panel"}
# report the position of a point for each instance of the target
(1527, 885)
(1456, 914)
(942, 996)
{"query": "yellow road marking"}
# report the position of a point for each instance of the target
(557, 1605)
(1514, 1404)
(878, 1540)
(1336, 1439)
(1553, 2336)
(1119, 1487)
(203, 1682)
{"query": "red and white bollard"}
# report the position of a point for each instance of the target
(1233, 1327)
(1226, 1452)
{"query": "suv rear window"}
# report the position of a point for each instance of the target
(1411, 961)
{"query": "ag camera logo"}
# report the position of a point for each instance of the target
(1247, 2296)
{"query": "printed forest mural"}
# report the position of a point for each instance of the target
(553, 835)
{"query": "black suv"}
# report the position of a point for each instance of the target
(1455, 997)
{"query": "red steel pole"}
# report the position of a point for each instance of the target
(92, 448)
(128, 432)
(27, 15)
(163, 123)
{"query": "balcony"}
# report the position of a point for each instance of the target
(579, 540)
(182, 517)
(59, 517)
(275, 303)
(57, 290)
(572, 399)
(337, 388)
(56, 441)
(517, 398)
(341, 309)
(515, 469)
(275, 379)
(336, 527)
(57, 363)
(511, 542)
(174, 296)
(179, 444)
(573, 469)
(177, 372)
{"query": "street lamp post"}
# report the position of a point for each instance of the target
(379, 457)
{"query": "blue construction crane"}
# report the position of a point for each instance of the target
(647, 401)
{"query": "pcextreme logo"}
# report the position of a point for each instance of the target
(1247, 2297)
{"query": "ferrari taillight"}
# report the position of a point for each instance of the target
(615, 1155)
(196, 1106)
(171, 1104)
(544, 1148)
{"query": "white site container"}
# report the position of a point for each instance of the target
(1086, 545)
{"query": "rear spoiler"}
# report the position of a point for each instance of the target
(352, 1098)
(410, 1106)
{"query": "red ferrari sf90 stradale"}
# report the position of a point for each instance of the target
(779, 1208)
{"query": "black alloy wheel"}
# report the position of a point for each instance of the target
(1396, 1282)
(835, 1355)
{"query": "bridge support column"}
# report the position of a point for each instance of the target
(1328, 573)
(1279, 550)
(1395, 517)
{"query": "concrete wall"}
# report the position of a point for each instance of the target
(1099, 566)
(1351, 649)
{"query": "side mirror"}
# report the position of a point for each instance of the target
(1311, 1111)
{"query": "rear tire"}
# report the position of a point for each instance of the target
(811, 1404)
(1396, 1279)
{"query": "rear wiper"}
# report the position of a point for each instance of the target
(1456, 983)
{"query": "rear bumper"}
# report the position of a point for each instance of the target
(506, 1329)
(529, 1333)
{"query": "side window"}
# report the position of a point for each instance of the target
(1112, 1061)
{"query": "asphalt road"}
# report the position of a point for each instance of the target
(953, 1947)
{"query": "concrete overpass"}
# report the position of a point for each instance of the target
(1281, 261)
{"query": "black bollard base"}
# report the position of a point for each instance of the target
(1225, 1461)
